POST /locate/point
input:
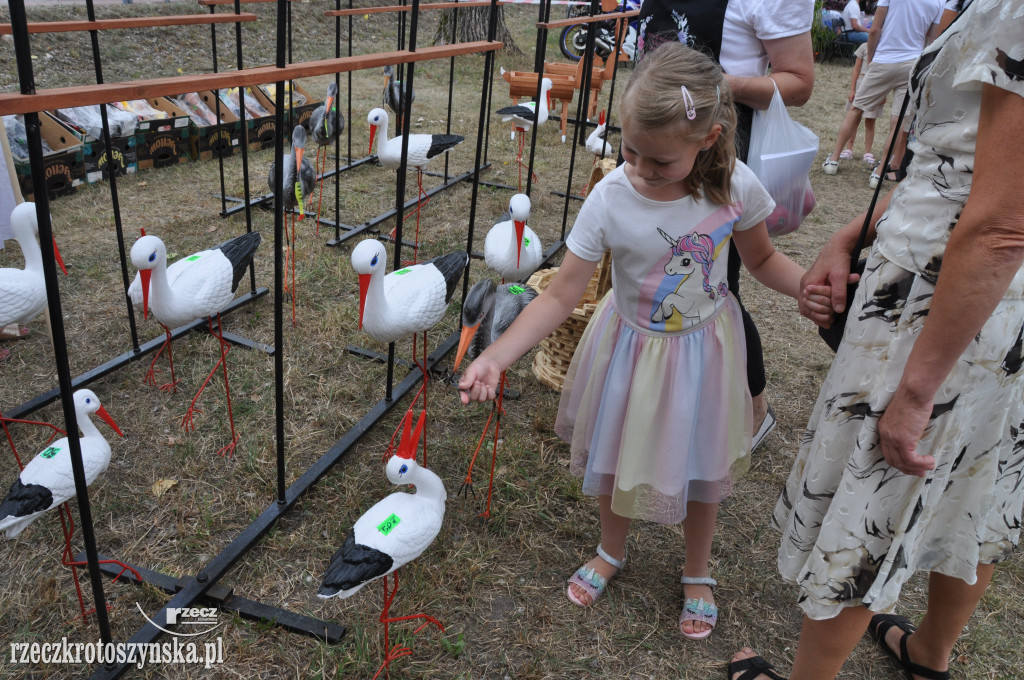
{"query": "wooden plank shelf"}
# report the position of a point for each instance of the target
(612, 16)
(209, 3)
(131, 22)
(355, 11)
(49, 100)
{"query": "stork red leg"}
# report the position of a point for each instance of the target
(10, 440)
(398, 651)
(422, 391)
(150, 378)
(187, 420)
(320, 184)
(67, 524)
(467, 484)
(486, 514)
(228, 449)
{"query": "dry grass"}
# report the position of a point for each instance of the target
(497, 587)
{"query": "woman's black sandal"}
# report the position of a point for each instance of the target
(752, 667)
(880, 626)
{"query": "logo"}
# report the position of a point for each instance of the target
(193, 620)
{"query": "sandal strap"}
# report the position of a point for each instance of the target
(618, 564)
(753, 667)
(911, 668)
(698, 581)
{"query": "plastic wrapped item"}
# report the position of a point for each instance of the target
(87, 119)
(271, 90)
(18, 139)
(197, 110)
(253, 109)
(142, 110)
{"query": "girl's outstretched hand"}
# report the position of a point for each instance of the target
(816, 304)
(480, 381)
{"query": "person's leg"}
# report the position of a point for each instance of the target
(869, 135)
(847, 129)
(951, 602)
(613, 540)
(824, 645)
(699, 530)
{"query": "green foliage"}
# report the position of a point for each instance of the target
(821, 35)
(454, 648)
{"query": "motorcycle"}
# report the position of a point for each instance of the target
(573, 39)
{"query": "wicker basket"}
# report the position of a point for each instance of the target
(555, 352)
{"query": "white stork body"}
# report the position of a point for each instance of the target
(511, 248)
(47, 481)
(422, 147)
(523, 116)
(194, 287)
(597, 144)
(396, 530)
(409, 300)
(22, 291)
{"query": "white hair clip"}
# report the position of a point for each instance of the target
(691, 110)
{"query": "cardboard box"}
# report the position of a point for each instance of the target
(260, 130)
(64, 167)
(300, 113)
(163, 141)
(98, 163)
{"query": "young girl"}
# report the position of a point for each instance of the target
(656, 402)
(860, 66)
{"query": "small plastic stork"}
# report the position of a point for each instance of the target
(487, 312)
(23, 291)
(511, 248)
(422, 149)
(297, 187)
(326, 123)
(597, 143)
(195, 287)
(47, 480)
(525, 116)
(394, 96)
(395, 531)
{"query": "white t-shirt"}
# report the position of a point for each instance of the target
(851, 12)
(748, 22)
(906, 25)
(669, 258)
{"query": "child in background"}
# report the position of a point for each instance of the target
(860, 65)
(655, 402)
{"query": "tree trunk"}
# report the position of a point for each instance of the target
(473, 26)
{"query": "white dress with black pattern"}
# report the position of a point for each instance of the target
(854, 528)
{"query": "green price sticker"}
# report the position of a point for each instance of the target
(387, 525)
(50, 452)
(526, 242)
(193, 258)
(516, 290)
(402, 271)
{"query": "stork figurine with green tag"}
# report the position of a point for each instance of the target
(395, 531)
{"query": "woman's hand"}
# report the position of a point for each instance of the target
(832, 270)
(480, 381)
(900, 429)
(815, 303)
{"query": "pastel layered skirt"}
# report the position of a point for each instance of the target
(657, 420)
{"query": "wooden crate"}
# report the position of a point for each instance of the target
(554, 354)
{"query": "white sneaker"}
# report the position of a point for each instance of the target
(830, 166)
(767, 425)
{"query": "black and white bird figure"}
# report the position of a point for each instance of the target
(511, 248)
(195, 287)
(524, 117)
(597, 143)
(47, 480)
(487, 312)
(297, 188)
(392, 533)
(422, 148)
(394, 96)
(325, 124)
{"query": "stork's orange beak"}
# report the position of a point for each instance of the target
(364, 285)
(102, 413)
(144, 274)
(373, 133)
(600, 118)
(520, 229)
(56, 255)
(467, 337)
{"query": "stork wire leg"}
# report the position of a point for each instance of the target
(422, 198)
(186, 420)
(228, 449)
(467, 484)
(289, 266)
(150, 378)
(10, 440)
(421, 391)
(67, 524)
(397, 652)
(486, 514)
(320, 185)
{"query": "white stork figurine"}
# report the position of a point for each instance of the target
(195, 287)
(524, 116)
(487, 312)
(511, 248)
(395, 531)
(23, 291)
(597, 143)
(325, 123)
(47, 481)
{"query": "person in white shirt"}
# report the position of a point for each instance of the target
(853, 22)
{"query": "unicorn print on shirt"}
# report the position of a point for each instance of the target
(687, 253)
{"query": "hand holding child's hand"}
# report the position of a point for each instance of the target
(816, 304)
(480, 381)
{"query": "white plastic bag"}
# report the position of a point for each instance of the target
(781, 153)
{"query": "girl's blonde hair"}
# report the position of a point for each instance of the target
(654, 99)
